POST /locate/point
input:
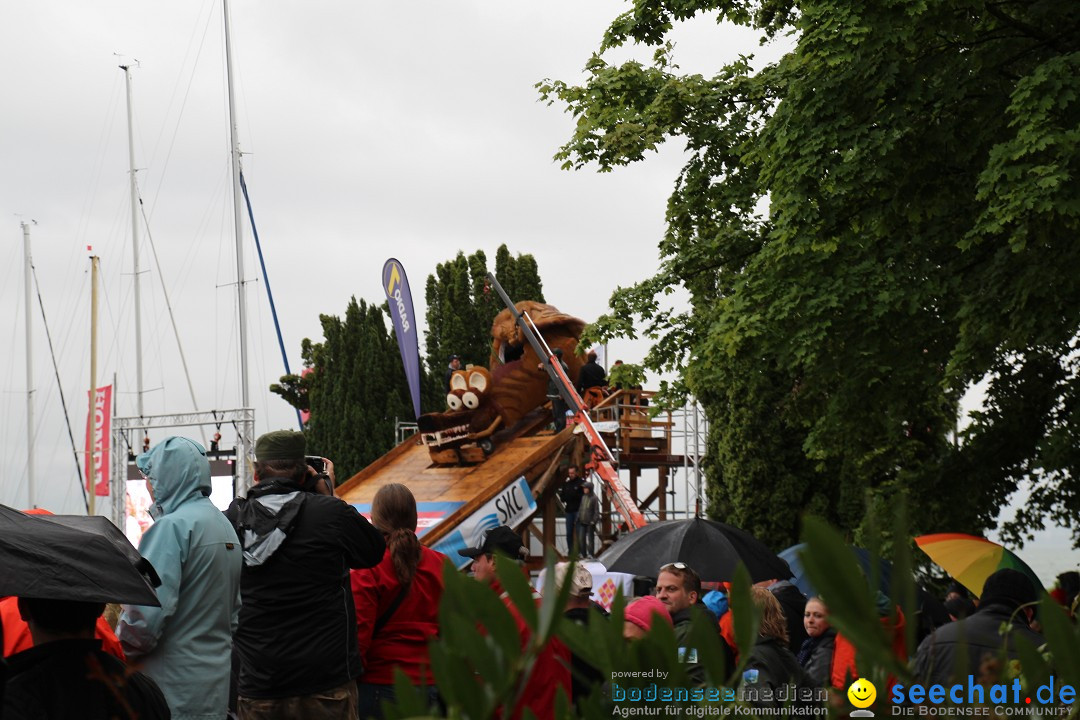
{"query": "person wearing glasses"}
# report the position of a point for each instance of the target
(552, 669)
(679, 588)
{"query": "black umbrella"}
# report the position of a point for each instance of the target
(713, 549)
(60, 557)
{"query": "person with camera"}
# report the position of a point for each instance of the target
(296, 642)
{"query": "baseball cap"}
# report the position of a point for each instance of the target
(580, 582)
(499, 539)
(280, 445)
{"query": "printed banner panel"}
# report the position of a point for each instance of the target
(97, 457)
(513, 506)
(605, 584)
(428, 514)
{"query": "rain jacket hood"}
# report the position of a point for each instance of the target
(186, 644)
(178, 471)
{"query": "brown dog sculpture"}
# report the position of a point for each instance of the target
(482, 402)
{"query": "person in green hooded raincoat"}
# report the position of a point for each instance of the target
(186, 644)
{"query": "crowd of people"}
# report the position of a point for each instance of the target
(823, 661)
(291, 604)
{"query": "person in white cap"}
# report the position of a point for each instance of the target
(583, 676)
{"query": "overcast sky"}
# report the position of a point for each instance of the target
(369, 130)
(374, 129)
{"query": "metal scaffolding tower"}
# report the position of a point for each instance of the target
(243, 420)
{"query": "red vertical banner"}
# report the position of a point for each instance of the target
(97, 458)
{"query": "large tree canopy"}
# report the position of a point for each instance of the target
(867, 228)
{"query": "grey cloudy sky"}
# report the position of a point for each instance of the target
(372, 129)
(409, 129)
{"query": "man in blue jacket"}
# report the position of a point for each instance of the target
(186, 644)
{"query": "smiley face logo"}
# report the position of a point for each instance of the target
(862, 693)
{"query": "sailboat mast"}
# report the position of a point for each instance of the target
(27, 269)
(241, 291)
(135, 247)
(91, 464)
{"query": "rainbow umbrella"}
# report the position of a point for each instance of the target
(970, 559)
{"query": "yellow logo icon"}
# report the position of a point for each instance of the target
(394, 280)
(862, 693)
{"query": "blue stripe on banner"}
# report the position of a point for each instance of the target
(449, 546)
(428, 514)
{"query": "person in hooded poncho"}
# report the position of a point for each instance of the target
(186, 644)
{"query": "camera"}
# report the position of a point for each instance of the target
(315, 462)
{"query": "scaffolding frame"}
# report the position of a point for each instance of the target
(243, 419)
(676, 492)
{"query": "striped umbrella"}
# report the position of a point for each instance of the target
(970, 559)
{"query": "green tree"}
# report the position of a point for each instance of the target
(461, 306)
(355, 390)
(866, 228)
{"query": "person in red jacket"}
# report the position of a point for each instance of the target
(892, 619)
(397, 604)
(551, 672)
(17, 633)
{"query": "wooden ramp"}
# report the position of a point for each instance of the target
(456, 503)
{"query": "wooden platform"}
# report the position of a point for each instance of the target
(457, 502)
(525, 452)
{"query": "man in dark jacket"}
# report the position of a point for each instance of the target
(67, 674)
(591, 374)
(570, 493)
(956, 650)
(297, 641)
(558, 405)
(587, 520)
(679, 588)
(454, 366)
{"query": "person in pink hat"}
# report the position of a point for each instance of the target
(641, 614)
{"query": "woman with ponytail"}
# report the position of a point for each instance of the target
(397, 603)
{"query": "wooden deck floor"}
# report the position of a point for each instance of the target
(410, 464)
(473, 485)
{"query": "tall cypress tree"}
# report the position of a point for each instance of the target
(355, 391)
(462, 306)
